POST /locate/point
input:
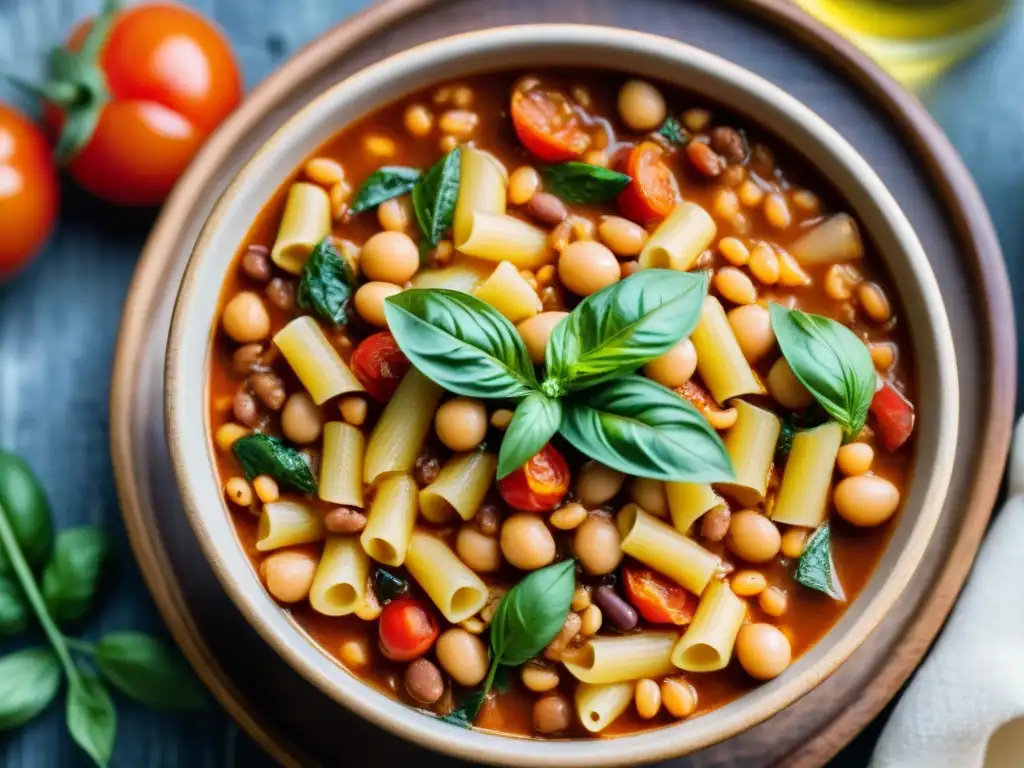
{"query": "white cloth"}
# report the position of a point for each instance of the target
(972, 684)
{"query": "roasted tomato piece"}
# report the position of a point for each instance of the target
(894, 417)
(653, 191)
(407, 629)
(539, 485)
(548, 126)
(657, 598)
(379, 365)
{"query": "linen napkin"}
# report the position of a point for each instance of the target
(971, 687)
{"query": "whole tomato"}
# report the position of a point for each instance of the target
(28, 190)
(135, 94)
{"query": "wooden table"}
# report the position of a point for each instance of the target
(58, 320)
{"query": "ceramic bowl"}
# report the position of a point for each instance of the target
(742, 92)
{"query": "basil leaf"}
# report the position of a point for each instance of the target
(815, 570)
(29, 681)
(534, 422)
(14, 610)
(148, 671)
(643, 429)
(261, 454)
(625, 325)
(461, 343)
(92, 720)
(532, 613)
(812, 416)
(672, 130)
(464, 715)
(72, 577)
(387, 586)
(24, 501)
(434, 197)
(383, 184)
(577, 182)
(830, 361)
(327, 283)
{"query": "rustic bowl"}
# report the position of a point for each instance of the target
(194, 323)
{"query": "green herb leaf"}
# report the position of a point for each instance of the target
(327, 283)
(14, 610)
(92, 720)
(830, 361)
(387, 586)
(811, 416)
(383, 184)
(434, 197)
(815, 570)
(625, 325)
(461, 343)
(72, 577)
(672, 130)
(261, 454)
(148, 671)
(29, 681)
(577, 182)
(641, 428)
(532, 613)
(533, 424)
(464, 715)
(28, 511)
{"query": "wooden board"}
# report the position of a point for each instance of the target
(889, 127)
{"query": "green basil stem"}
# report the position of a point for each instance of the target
(80, 645)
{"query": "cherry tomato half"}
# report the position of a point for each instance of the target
(657, 598)
(407, 629)
(539, 485)
(894, 417)
(653, 191)
(379, 365)
(548, 126)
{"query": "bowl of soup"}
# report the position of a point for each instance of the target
(561, 395)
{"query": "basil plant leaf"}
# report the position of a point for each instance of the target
(815, 570)
(143, 668)
(532, 613)
(384, 184)
(261, 454)
(577, 182)
(29, 681)
(535, 421)
(434, 197)
(641, 428)
(24, 502)
(461, 343)
(830, 361)
(625, 325)
(72, 577)
(673, 130)
(327, 283)
(91, 717)
(14, 610)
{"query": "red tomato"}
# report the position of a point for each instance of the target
(539, 485)
(653, 191)
(379, 365)
(657, 598)
(894, 416)
(28, 190)
(407, 629)
(548, 126)
(171, 78)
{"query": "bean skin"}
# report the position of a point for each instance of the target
(616, 610)
(246, 359)
(344, 520)
(546, 208)
(256, 263)
(246, 410)
(269, 388)
(281, 293)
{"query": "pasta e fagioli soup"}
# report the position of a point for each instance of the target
(560, 404)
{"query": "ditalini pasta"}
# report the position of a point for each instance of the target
(626, 657)
(396, 440)
(340, 581)
(456, 591)
(663, 548)
(500, 237)
(706, 646)
(598, 706)
(751, 444)
(341, 464)
(679, 239)
(720, 361)
(315, 361)
(804, 492)
(391, 520)
(305, 222)
(287, 523)
(508, 292)
(461, 485)
(687, 502)
(482, 185)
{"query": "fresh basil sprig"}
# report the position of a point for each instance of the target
(815, 569)
(72, 577)
(830, 361)
(327, 283)
(146, 670)
(534, 422)
(672, 130)
(384, 184)
(14, 611)
(261, 454)
(434, 197)
(28, 512)
(577, 182)
(29, 682)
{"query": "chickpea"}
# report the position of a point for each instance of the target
(552, 714)
(526, 541)
(568, 517)
(353, 410)
(598, 545)
(423, 681)
(794, 541)
(597, 484)
(459, 123)
(882, 355)
(390, 256)
(874, 302)
(461, 423)
(301, 420)
(650, 495)
(592, 619)
(753, 328)
(394, 216)
(245, 318)
(539, 677)
(379, 147)
(501, 418)
(266, 489)
(866, 500)
(675, 367)
(463, 656)
(624, 237)
(288, 574)
(523, 184)
(641, 106)
(679, 697)
(586, 266)
(581, 599)
(753, 537)
(480, 552)
(536, 331)
(355, 653)
(238, 491)
(786, 388)
(418, 120)
(855, 459)
(773, 601)
(763, 650)
(748, 583)
(324, 171)
(733, 285)
(648, 698)
(227, 434)
(369, 301)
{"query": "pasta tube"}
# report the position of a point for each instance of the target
(679, 239)
(402, 427)
(464, 274)
(287, 523)
(482, 185)
(598, 706)
(803, 495)
(456, 591)
(341, 464)
(305, 222)
(508, 292)
(391, 520)
(500, 237)
(687, 502)
(720, 361)
(751, 445)
(461, 485)
(706, 646)
(339, 584)
(315, 361)
(625, 657)
(661, 547)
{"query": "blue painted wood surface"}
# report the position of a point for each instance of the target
(58, 322)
